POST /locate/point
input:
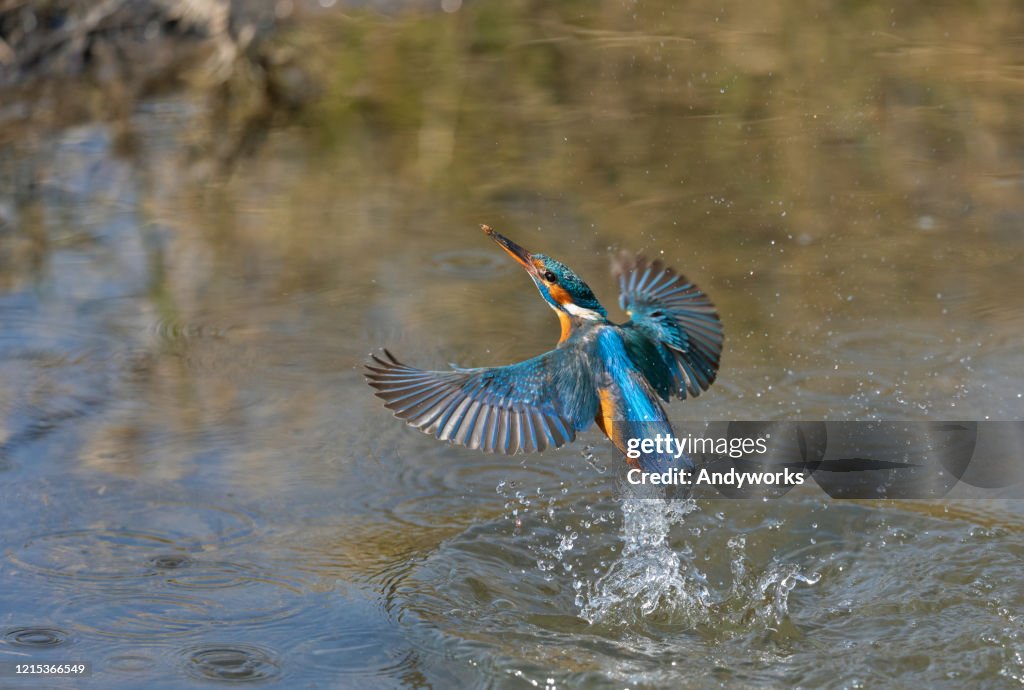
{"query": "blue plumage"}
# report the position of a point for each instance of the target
(611, 374)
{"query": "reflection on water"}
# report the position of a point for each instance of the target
(198, 485)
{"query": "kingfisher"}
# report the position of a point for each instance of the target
(614, 375)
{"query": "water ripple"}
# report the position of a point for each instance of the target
(475, 264)
(140, 616)
(202, 575)
(172, 330)
(35, 637)
(129, 662)
(230, 663)
(212, 525)
(164, 534)
(96, 554)
(170, 561)
(188, 599)
(356, 652)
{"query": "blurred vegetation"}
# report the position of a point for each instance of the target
(884, 89)
(657, 122)
(824, 171)
(64, 62)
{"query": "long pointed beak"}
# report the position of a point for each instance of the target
(524, 257)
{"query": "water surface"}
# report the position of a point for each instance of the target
(198, 487)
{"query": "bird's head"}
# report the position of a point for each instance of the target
(560, 287)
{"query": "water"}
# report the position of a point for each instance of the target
(197, 485)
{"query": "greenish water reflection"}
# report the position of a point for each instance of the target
(195, 476)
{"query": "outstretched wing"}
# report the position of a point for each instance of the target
(526, 407)
(674, 335)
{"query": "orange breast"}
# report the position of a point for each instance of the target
(608, 421)
(606, 417)
(566, 323)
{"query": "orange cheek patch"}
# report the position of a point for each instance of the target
(560, 294)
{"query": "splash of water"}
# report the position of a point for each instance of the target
(649, 575)
(652, 579)
(759, 598)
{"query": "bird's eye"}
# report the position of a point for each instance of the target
(550, 277)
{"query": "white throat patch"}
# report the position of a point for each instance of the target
(588, 314)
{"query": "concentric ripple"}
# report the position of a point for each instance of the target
(200, 574)
(356, 652)
(35, 637)
(192, 596)
(173, 330)
(141, 616)
(231, 663)
(129, 663)
(471, 263)
(162, 538)
(212, 524)
(97, 554)
(171, 561)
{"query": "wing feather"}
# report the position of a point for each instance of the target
(526, 407)
(674, 334)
